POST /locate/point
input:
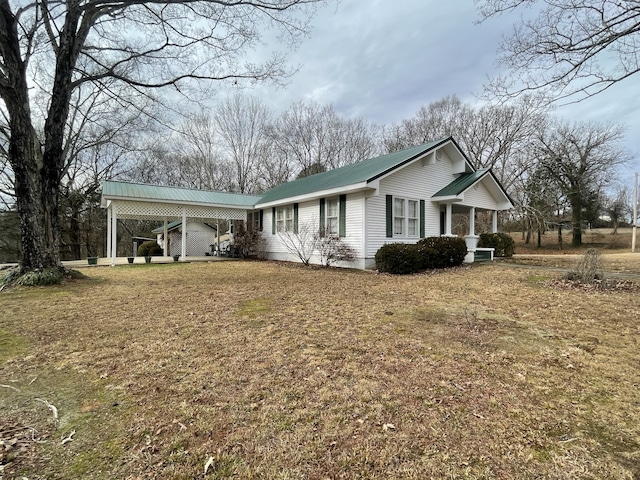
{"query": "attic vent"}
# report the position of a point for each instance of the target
(438, 155)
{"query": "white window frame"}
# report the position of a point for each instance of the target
(331, 218)
(404, 219)
(284, 219)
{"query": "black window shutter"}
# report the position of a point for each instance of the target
(342, 219)
(322, 217)
(389, 216)
(273, 220)
(421, 218)
(295, 218)
(260, 225)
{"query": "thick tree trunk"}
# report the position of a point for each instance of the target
(576, 218)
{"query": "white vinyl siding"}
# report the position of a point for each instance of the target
(414, 182)
(308, 217)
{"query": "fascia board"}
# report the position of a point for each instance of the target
(178, 202)
(449, 198)
(317, 194)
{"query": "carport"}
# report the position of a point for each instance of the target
(124, 200)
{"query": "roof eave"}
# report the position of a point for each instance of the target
(356, 187)
(104, 204)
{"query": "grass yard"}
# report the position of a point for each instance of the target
(275, 371)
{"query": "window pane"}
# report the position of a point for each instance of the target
(412, 226)
(398, 204)
(332, 226)
(397, 225)
(413, 209)
(332, 208)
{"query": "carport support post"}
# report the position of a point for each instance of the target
(183, 253)
(166, 252)
(114, 228)
(494, 227)
(108, 231)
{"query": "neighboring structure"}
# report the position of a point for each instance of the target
(399, 197)
(200, 238)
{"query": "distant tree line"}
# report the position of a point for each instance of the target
(555, 171)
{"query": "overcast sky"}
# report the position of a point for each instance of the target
(384, 59)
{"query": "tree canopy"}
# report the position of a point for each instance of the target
(571, 49)
(51, 49)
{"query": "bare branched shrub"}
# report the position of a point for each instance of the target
(332, 249)
(248, 242)
(588, 269)
(301, 244)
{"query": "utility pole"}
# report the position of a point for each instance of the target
(635, 213)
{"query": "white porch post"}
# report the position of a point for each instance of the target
(114, 232)
(109, 230)
(472, 221)
(472, 239)
(494, 226)
(166, 240)
(183, 253)
(447, 220)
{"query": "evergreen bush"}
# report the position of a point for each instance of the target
(149, 249)
(398, 258)
(503, 244)
(441, 252)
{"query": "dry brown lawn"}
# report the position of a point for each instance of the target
(275, 371)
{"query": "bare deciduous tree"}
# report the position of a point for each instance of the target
(571, 49)
(313, 138)
(580, 158)
(493, 136)
(50, 49)
(241, 123)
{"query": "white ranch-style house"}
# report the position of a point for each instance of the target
(398, 197)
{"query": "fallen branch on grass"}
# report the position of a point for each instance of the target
(69, 438)
(10, 386)
(52, 407)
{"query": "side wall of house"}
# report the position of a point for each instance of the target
(417, 181)
(309, 222)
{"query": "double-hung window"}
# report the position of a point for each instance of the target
(404, 215)
(398, 217)
(332, 218)
(413, 213)
(284, 219)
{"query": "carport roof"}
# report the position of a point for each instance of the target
(157, 193)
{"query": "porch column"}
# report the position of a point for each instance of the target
(114, 234)
(472, 239)
(108, 230)
(447, 220)
(494, 228)
(166, 240)
(472, 221)
(183, 252)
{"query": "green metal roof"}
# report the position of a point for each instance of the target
(140, 191)
(365, 171)
(461, 183)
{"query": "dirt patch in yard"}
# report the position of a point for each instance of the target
(269, 370)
